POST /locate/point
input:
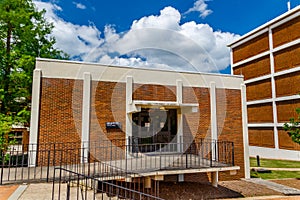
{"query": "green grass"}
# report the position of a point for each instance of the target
(275, 175)
(275, 163)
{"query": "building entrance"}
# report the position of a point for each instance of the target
(154, 126)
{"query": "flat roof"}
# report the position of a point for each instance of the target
(65, 69)
(130, 67)
(267, 24)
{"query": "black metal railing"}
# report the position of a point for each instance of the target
(74, 185)
(36, 163)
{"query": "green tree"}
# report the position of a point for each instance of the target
(5, 141)
(293, 127)
(24, 35)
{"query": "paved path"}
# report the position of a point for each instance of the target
(43, 191)
(7, 190)
(277, 169)
(275, 186)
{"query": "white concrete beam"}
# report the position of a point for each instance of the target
(245, 131)
(35, 114)
(86, 107)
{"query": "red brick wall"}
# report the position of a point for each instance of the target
(60, 118)
(262, 137)
(200, 119)
(254, 69)
(285, 85)
(253, 47)
(286, 32)
(149, 92)
(259, 90)
(285, 141)
(260, 113)
(60, 111)
(109, 105)
(287, 110)
(287, 58)
(229, 122)
(288, 84)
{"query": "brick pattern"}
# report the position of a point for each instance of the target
(288, 84)
(60, 111)
(149, 92)
(107, 105)
(229, 123)
(285, 141)
(287, 110)
(260, 113)
(285, 85)
(60, 115)
(259, 90)
(253, 47)
(200, 119)
(262, 137)
(286, 32)
(287, 58)
(254, 69)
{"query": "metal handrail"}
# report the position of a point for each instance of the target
(74, 176)
(117, 155)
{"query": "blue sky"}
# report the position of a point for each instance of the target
(174, 34)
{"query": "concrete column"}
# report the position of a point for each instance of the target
(231, 60)
(86, 108)
(180, 177)
(179, 91)
(179, 99)
(273, 85)
(147, 182)
(245, 131)
(129, 91)
(35, 114)
(214, 178)
(213, 119)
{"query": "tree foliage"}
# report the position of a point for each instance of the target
(293, 128)
(24, 35)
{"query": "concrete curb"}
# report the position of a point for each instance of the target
(286, 190)
(18, 192)
(276, 169)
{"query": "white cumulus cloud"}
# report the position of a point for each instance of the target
(201, 7)
(76, 40)
(156, 41)
(79, 5)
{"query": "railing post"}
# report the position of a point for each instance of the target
(232, 153)
(216, 152)
(54, 154)
(59, 185)
(159, 155)
(126, 149)
(186, 158)
(211, 154)
(2, 166)
(48, 166)
(68, 190)
(53, 185)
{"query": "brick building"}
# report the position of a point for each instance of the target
(84, 103)
(269, 59)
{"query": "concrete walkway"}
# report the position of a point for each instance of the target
(43, 191)
(275, 186)
(276, 169)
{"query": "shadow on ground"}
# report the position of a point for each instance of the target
(194, 191)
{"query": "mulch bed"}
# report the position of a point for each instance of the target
(226, 189)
